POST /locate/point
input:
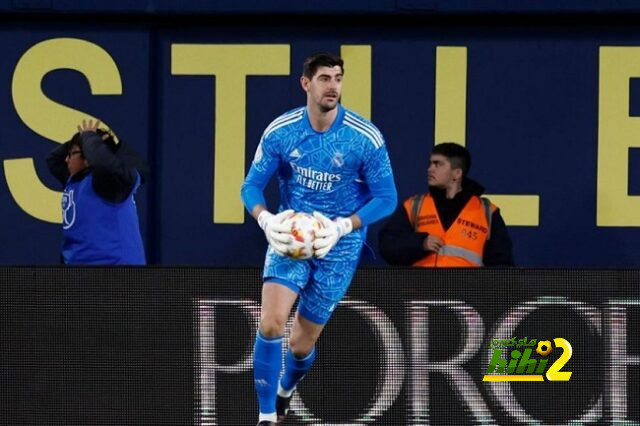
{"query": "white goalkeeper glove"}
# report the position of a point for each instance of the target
(330, 233)
(277, 232)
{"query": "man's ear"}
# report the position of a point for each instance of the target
(304, 82)
(457, 174)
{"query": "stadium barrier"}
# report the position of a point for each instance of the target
(160, 346)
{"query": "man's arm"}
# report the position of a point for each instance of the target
(398, 242)
(56, 162)
(384, 201)
(381, 205)
(252, 191)
(378, 176)
(112, 178)
(264, 165)
(262, 168)
(379, 179)
(498, 251)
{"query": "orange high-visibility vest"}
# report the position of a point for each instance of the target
(464, 240)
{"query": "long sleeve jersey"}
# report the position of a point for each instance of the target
(341, 171)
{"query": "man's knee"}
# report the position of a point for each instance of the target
(304, 337)
(272, 325)
(301, 347)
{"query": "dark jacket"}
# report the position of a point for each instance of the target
(114, 173)
(400, 245)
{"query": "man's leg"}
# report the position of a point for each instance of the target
(329, 281)
(277, 301)
(301, 353)
(298, 361)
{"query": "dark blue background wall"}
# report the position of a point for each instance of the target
(532, 113)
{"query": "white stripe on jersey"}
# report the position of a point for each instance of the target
(365, 128)
(283, 120)
(285, 116)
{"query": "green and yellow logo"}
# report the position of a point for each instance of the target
(523, 368)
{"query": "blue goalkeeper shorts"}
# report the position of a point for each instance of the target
(321, 283)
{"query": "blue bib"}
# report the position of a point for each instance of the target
(98, 232)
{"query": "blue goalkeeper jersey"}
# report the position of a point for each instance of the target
(341, 171)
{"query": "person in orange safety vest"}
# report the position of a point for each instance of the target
(450, 226)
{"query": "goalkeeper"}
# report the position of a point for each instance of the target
(334, 164)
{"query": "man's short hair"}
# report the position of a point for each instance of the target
(313, 62)
(76, 140)
(458, 155)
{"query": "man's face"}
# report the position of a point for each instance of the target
(440, 173)
(75, 160)
(324, 88)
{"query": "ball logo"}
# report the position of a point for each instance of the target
(522, 367)
(544, 348)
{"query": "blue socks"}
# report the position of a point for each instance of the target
(267, 363)
(294, 371)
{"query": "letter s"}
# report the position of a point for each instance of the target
(48, 118)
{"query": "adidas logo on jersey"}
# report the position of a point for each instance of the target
(295, 153)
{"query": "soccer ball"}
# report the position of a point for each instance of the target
(303, 231)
